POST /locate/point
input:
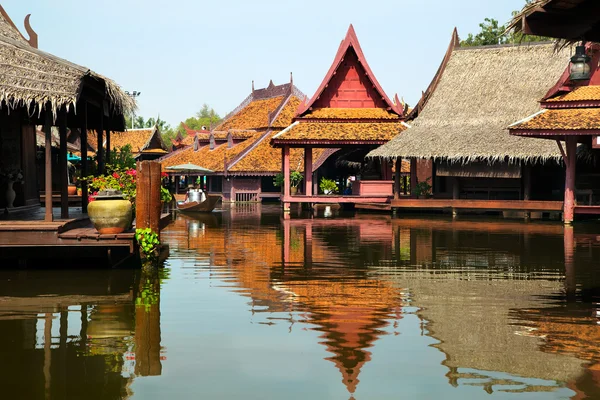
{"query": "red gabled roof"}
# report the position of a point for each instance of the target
(351, 41)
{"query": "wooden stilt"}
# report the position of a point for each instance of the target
(286, 176)
(455, 194)
(570, 281)
(308, 185)
(108, 148)
(84, 155)
(413, 177)
(62, 163)
(526, 171)
(48, 181)
(397, 178)
(100, 151)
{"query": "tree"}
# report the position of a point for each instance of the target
(492, 33)
(206, 117)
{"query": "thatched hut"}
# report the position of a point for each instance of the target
(38, 88)
(460, 124)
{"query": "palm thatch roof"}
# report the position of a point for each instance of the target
(481, 91)
(32, 78)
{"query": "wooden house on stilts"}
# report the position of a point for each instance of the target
(458, 139)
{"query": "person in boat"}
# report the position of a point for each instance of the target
(194, 194)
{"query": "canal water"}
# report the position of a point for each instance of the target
(253, 306)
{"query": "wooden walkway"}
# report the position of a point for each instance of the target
(323, 199)
(484, 205)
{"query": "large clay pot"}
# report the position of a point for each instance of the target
(10, 194)
(72, 190)
(293, 190)
(110, 213)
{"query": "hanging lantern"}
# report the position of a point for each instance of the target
(580, 65)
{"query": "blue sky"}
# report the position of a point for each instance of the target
(183, 53)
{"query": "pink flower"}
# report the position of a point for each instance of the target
(115, 175)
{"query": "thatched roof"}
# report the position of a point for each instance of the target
(30, 77)
(483, 90)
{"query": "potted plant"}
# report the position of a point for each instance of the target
(295, 179)
(328, 186)
(112, 200)
(423, 189)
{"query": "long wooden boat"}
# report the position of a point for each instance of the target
(206, 206)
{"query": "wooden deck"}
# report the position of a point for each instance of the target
(484, 205)
(349, 199)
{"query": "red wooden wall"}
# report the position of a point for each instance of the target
(350, 87)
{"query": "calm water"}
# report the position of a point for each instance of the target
(252, 306)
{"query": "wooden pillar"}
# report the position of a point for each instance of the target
(147, 210)
(397, 178)
(48, 181)
(526, 172)
(100, 137)
(455, 194)
(84, 156)
(108, 149)
(570, 162)
(285, 159)
(308, 161)
(405, 184)
(62, 163)
(413, 176)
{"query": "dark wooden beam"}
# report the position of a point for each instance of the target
(100, 148)
(48, 170)
(84, 155)
(62, 165)
(108, 149)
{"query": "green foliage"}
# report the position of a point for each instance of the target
(207, 117)
(295, 178)
(423, 188)
(328, 186)
(148, 241)
(492, 33)
(278, 180)
(121, 158)
(165, 195)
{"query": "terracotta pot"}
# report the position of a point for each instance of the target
(293, 190)
(110, 216)
(72, 190)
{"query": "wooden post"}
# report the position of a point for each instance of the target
(526, 171)
(405, 184)
(108, 149)
(570, 163)
(48, 182)
(62, 163)
(413, 176)
(147, 206)
(570, 281)
(100, 137)
(308, 160)
(455, 194)
(176, 184)
(285, 158)
(84, 160)
(397, 178)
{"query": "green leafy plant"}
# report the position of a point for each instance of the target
(121, 158)
(423, 188)
(148, 241)
(328, 186)
(295, 178)
(165, 195)
(118, 179)
(278, 180)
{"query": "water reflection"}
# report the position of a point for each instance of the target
(76, 334)
(366, 306)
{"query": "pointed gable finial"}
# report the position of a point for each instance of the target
(455, 38)
(252, 86)
(271, 84)
(33, 36)
(291, 78)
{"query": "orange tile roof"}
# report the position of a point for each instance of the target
(284, 119)
(266, 158)
(137, 138)
(562, 119)
(582, 93)
(155, 151)
(255, 115)
(351, 113)
(344, 131)
(207, 158)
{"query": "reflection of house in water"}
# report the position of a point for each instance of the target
(72, 335)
